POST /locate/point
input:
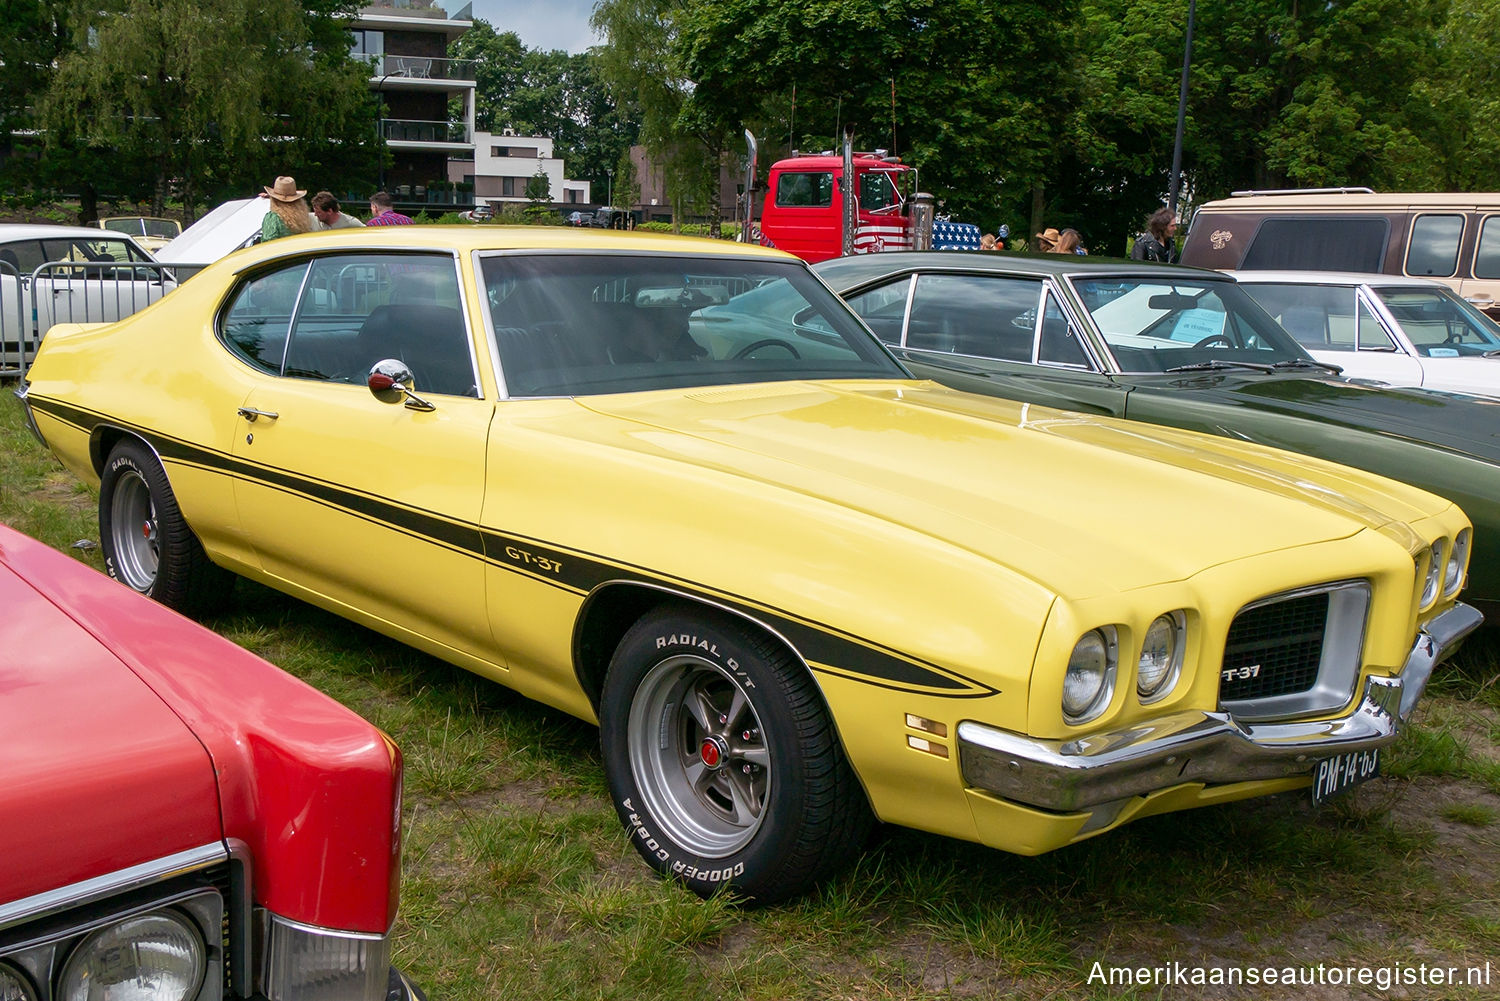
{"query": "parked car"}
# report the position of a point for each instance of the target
(1454, 238)
(675, 486)
(1174, 346)
(187, 821)
(86, 276)
(1402, 331)
(151, 232)
(479, 213)
(577, 218)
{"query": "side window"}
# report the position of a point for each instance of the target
(1060, 344)
(1433, 250)
(974, 315)
(25, 255)
(804, 189)
(1372, 335)
(876, 191)
(1487, 255)
(256, 323)
(884, 309)
(359, 309)
(1313, 243)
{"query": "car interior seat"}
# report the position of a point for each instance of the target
(431, 340)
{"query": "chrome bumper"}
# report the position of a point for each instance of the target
(1195, 746)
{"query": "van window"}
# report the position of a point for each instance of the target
(1434, 245)
(1487, 256)
(1318, 244)
(805, 190)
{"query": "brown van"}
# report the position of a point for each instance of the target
(1454, 238)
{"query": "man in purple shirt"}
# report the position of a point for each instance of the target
(382, 214)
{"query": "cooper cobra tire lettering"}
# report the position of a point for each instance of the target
(722, 761)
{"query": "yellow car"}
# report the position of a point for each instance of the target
(676, 487)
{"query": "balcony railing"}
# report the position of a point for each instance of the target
(410, 8)
(420, 67)
(409, 130)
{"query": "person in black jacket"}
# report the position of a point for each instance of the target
(1158, 244)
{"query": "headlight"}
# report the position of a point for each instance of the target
(1161, 657)
(14, 986)
(1434, 572)
(1453, 577)
(156, 956)
(1091, 668)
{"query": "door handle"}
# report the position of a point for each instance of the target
(1483, 302)
(252, 415)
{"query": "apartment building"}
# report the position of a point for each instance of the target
(504, 163)
(406, 44)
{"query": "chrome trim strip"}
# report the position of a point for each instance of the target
(135, 877)
(1196, 746)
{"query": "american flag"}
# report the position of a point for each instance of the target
(872, 237)
(955, 236)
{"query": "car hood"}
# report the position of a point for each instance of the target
(1465, 425)
(1079, 504)
(99, 773)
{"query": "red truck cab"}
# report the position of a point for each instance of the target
(185, 822)
(804, 209)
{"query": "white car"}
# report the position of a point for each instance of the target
(69, 274)
(1399, 330)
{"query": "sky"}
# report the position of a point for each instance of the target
(542, 24)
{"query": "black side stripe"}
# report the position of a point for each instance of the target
(827, 649)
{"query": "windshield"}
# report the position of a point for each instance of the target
(574, 325)
(1440, 324)
(1161, 325)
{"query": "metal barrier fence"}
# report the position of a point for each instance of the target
(71, 292)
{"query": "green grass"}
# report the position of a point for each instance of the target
(520, 883)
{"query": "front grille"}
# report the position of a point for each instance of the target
(1275, 648)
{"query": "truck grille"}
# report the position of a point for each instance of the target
(1275, 648)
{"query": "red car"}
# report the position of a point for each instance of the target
(183, 821)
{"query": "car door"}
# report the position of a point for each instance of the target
(1483, 289)
(95, 281)
(363, 503)
(989, 333)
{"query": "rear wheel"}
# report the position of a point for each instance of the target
(147, 543)
(722, 760)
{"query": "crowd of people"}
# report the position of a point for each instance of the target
(1158, 243)
(289, 211)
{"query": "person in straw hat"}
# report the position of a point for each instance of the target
(288, 213)
(1046, 240)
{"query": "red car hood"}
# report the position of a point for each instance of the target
(98, 773)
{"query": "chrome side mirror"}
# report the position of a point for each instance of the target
(390, 380)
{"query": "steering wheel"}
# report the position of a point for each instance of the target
(766, 342)
(1219, 338)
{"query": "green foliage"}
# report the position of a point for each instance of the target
(207, 96)
(547, 93)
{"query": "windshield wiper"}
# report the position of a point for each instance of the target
(1492, 354)
(1216, 365)
(1308, 363)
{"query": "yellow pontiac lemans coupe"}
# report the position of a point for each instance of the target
(676, 487)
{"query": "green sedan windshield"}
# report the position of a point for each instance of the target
(1172, 325)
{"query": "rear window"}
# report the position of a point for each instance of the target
(1318, 244)
(805, 190)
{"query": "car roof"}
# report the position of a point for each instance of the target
(464, 239)
(1328, 278)
(47, 231)
(1369, 201)
(865, 267)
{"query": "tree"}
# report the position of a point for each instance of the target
(553, 94)
(211, 94)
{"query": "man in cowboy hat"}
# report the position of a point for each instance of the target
(288, 212)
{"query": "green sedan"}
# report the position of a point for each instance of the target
(1175, 346)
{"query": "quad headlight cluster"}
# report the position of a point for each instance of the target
(158, 955)
(1089, 682)
(1445, 564)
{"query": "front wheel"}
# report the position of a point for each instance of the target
(147, 543)
(722, 760)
